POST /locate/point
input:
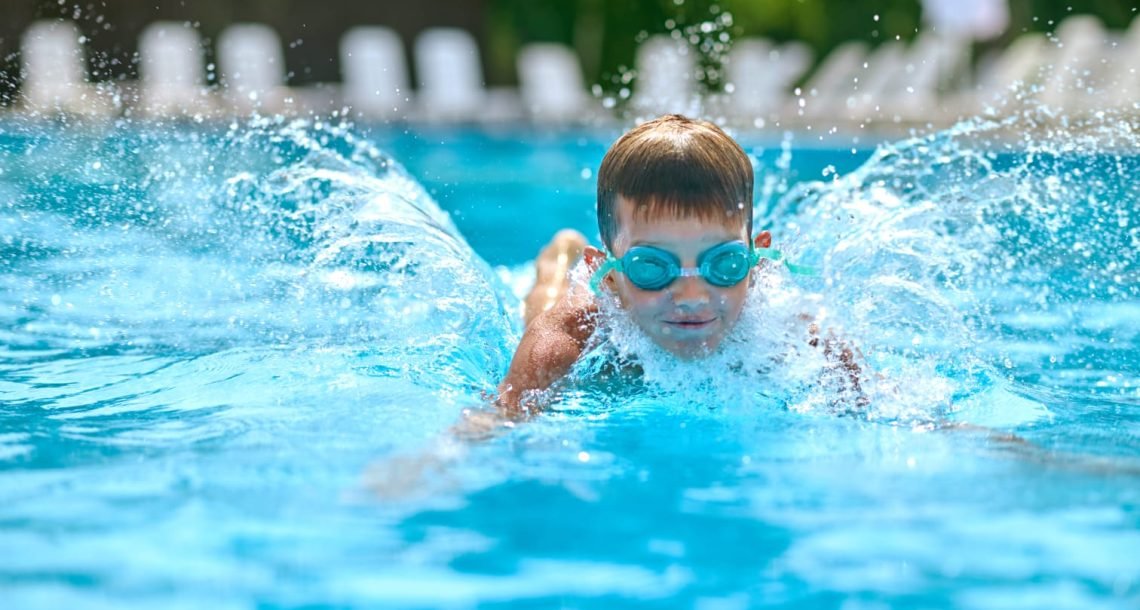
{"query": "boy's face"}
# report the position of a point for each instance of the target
(689, 317)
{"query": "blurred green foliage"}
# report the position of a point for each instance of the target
(605, 33)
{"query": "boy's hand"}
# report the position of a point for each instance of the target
(405, 477)
(409, 476)
(843, 358)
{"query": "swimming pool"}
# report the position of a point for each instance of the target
(225, 350)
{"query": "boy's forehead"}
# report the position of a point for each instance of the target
(658, 223)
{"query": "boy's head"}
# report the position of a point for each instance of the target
(675, 166)
(681, 186)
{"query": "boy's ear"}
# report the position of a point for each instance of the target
(764, 239)
(594, 257)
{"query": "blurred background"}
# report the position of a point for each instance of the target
(604, 35)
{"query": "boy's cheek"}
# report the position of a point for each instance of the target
(645, 304)
(644, 309)
(633, 299)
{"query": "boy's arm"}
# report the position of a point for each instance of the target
(553, 341)
(551, 345)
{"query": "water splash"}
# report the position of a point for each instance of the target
(962, 247)
(270, 235)
(994, 257)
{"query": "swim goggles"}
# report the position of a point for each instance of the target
(723, 265)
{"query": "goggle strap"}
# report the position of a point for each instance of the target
(610, 264)
(771, 254)
(801, 269)
(776, 256)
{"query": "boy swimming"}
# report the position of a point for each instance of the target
(675, 217)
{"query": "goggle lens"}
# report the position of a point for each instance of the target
(725, 265)
(651, 268)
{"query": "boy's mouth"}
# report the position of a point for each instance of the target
(690, 323)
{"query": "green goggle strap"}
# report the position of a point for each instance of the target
(610, 264)
(755, 255)
(776, 256)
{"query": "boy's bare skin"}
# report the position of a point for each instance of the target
(559, 321)
(552, 272)
(677, 189)
(556, 336)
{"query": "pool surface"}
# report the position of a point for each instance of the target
(229, 355)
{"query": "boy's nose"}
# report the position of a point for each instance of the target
(690, 291)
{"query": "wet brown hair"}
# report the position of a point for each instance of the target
(678, 166)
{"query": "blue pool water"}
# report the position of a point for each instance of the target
(229, 356)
